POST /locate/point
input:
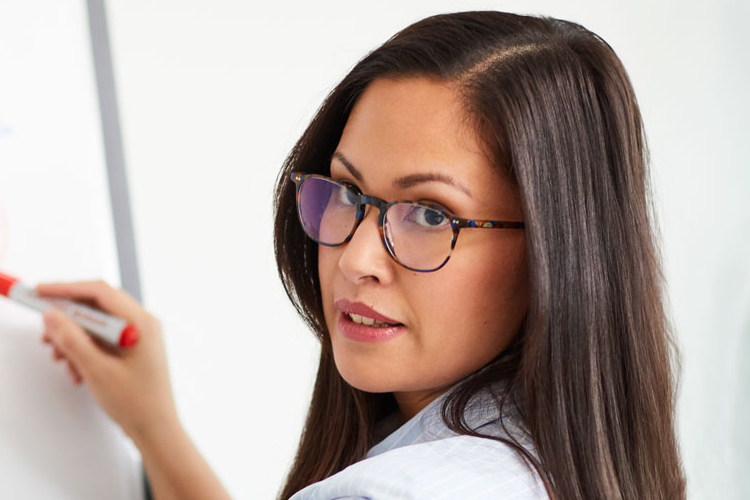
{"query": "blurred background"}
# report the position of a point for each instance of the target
(213, 95)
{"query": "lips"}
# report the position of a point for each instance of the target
(367, 334)
(349, 307)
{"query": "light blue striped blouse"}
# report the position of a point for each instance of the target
(424, 460)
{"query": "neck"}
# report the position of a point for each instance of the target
(411, 403)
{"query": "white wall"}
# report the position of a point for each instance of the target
(214, 94)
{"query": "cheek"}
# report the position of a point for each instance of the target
(327, 265)
(472, 312)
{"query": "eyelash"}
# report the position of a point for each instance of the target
(348, 183)
(436, 203)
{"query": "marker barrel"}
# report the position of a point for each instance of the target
(109, 328)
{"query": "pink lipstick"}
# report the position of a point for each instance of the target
(383, 328)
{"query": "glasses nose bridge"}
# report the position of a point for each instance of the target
(379, 203)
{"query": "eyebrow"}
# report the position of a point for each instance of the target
(406, 181)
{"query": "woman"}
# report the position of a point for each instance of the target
(528, 358)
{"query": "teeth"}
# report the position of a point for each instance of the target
(364, 320)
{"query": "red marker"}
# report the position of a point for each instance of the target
(109, 328)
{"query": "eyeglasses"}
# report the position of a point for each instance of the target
(418, 236)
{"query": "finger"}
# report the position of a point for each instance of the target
(99, 293)
(74, 343)
(106, 346)
(57, 354)
(74, 374)
(61, 290)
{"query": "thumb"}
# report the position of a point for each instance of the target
(73, 342)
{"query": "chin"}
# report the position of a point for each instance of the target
(363, 379)
(364, 376)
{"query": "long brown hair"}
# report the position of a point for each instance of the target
(594, 363)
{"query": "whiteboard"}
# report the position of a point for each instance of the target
(61, 190)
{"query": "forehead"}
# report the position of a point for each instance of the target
(414, 126)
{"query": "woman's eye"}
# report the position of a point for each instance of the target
(426, 217)
(347, 196)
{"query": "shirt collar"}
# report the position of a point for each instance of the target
(428, 425)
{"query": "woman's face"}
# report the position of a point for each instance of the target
(459, 317)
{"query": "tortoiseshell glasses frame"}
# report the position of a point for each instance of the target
(362, 200)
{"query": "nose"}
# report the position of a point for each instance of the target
(364, 257)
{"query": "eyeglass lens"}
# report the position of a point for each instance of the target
(419, 236)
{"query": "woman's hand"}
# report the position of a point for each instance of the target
(131, 385)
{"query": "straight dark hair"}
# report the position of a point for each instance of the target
(592, 371)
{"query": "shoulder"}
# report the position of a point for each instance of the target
(454, 468)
